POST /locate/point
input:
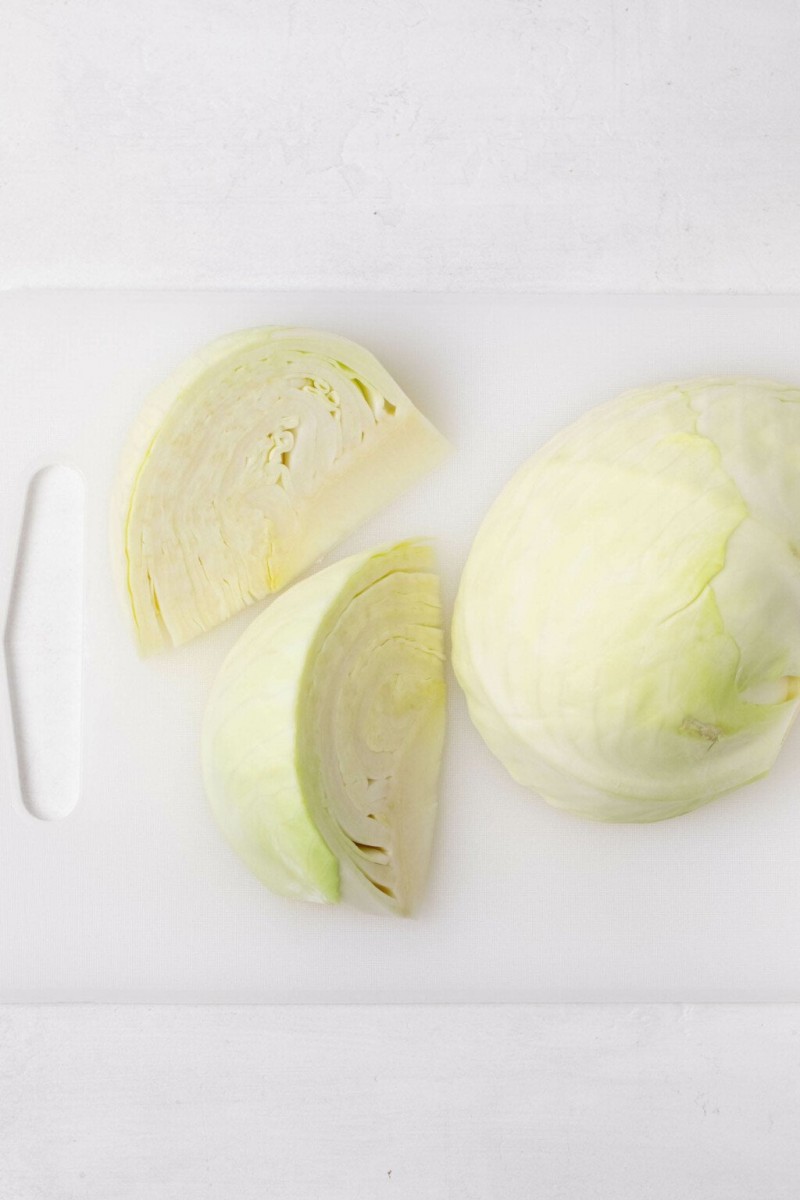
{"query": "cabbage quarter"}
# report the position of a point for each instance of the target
(323, 733)
(254, 459)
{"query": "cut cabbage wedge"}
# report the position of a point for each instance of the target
(627, 629)
(323, 733)
(255, 458)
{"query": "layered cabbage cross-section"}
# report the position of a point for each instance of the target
(260, 454)
(323, 733)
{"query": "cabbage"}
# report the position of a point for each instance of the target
(246, 466)
(627, 628)
(323, 733)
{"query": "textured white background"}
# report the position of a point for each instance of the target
(597, 145)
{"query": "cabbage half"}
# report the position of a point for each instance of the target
(627, 629)
(254, 459)
(323, 733)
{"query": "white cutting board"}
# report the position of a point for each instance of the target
(134, 896)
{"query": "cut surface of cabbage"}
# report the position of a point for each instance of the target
(255, 458)
(627, 628)
(323, 733)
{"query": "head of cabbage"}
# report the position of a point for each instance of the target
(627, 629)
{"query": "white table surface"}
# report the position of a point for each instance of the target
(597, 145)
